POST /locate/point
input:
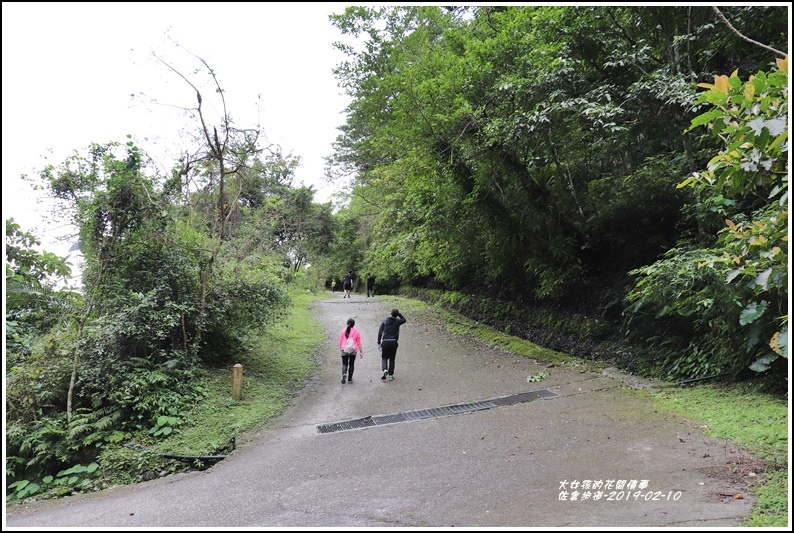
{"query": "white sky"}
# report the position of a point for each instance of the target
(69, 70)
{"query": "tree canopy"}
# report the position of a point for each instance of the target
(537, 152)
(625, 162)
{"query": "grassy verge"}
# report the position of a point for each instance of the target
(455, 322)
(274, 369)
(753, 420)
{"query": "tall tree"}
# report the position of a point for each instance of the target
(552, 155)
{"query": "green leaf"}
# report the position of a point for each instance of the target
(732, 275)
(763, 363)
(32, 488)
(763, 277)
(21, 484)
(68, 471)
(752, 312)
(705, 118)
(778, 141)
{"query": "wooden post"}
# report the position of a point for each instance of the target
(237, 382)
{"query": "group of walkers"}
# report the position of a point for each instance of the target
(350, 338)
(388, 335)
(347, 284)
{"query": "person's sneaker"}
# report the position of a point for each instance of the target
(391, 378)
(350, 380)
(385, 373)
(344, 379)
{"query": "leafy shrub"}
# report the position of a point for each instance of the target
(64, 482)
(731, 299)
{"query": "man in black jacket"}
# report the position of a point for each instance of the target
(370, 285)
(347, 284)
(388, 334)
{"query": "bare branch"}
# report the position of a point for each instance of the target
(734, 30)
(223, 99)
(198, 97)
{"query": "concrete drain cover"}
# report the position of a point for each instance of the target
(434, 412)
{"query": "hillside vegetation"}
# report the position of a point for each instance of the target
(609, 182)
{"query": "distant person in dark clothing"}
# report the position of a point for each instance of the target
(388, 335)
(370, 285)
(347, 284)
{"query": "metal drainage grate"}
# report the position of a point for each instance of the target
(434, 412)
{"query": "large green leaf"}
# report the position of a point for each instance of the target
(752, 312)
(763, 363)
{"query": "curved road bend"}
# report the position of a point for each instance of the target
(459, 439)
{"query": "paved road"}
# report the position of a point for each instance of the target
(465, 447)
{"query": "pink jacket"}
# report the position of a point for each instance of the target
(356, 339)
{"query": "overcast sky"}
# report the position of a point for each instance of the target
(69, 70)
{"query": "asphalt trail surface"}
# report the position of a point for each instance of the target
(458, 443)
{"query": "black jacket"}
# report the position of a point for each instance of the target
(390, 328)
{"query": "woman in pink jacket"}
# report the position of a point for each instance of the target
(350, 345)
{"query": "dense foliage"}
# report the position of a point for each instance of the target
(551, 158)
(729, 300)
(181, 273)
(534, 154)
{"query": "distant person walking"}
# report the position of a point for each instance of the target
(350, 345)
(388, 335)
(333, 285)
(370, 285)
(347, 284)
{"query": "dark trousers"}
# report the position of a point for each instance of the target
(370, 291)
(387, 355)
(348, 365)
